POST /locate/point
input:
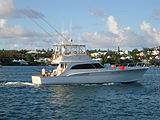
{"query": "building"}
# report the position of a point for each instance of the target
(98, 54)
(20, 62)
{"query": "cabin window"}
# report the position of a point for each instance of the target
(87, 66)
(63, 66)
(83, 66)
(97, 65)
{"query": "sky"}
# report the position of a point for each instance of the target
(100, 24)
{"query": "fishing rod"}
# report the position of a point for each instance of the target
(37, 24)
(53, 28)
(44, 20)
(41, 27)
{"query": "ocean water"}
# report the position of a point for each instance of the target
(21, 100)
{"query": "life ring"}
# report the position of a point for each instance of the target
(113, 66)
(121, 67)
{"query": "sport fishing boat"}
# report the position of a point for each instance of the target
(76, 67)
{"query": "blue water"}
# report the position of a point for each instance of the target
(21, 100)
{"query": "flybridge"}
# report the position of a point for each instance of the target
(68, 49)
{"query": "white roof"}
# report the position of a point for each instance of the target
(74, 45)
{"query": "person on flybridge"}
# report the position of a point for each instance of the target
(70, 40)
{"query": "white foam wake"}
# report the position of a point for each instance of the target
(108, 83)
(18, 83)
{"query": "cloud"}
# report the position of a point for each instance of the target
(20, 35)
(112, 25)
(76, 27)
(152, 35)
(96, 12)
(63, 35)
(157, 12)
(2, 22)
(31, 13)
(14, 31)
(8, 10)
(16, 36)
(156, 15)
(115, 36)
(101, 15)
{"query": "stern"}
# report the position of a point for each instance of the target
(36, 80)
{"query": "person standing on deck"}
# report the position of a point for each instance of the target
(43, 72)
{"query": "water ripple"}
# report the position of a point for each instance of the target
(20, 99)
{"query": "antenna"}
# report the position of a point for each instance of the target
(71, 29)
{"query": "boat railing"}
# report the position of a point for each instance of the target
(128, 65)
(68, 49)
(140, 64)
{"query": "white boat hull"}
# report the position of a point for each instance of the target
(110, 76)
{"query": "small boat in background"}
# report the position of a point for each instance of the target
(76, 67)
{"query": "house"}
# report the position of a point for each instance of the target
(43, 60)
(98, 59)
(98, 54)
(122, 58)
(32, 51)
(20, 62)
(155, 52)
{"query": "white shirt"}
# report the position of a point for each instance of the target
(43, 71)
